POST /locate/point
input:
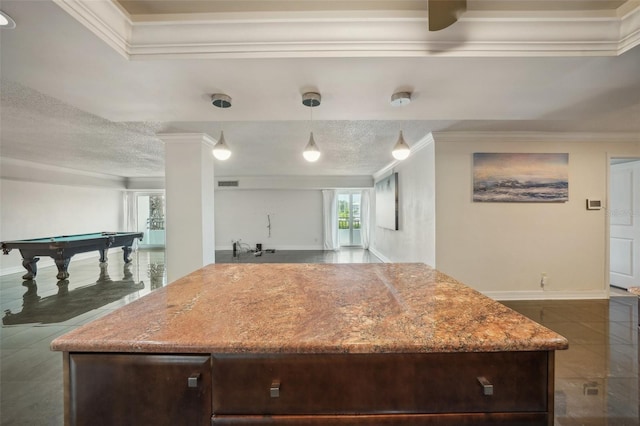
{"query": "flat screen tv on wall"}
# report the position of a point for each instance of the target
(387, 202)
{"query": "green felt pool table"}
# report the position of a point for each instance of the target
(62, 248)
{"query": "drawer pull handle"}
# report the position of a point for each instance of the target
(192, 381)
(487, 387)
(274, 390)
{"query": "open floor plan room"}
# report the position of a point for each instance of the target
(596, 378)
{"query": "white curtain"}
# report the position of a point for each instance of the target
(130, 211)
(330, 219)
(365, 208)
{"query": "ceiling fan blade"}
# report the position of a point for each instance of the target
(443, 13)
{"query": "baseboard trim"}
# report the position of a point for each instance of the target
(379, 255)
(547, 295)
(267, 247)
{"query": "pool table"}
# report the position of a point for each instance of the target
(62, 248)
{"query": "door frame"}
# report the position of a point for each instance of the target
(607, 269)
(149, 193)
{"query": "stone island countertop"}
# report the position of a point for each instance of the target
(312, 308)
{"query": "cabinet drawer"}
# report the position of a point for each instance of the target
(115, 389)
(380, 383)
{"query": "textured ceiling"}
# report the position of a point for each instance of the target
(39, 128)
(74, 102)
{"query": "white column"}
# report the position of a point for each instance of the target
(189, 183)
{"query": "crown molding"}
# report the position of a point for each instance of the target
(29, 171)
(629, 26)
(105, 19)
(187, 138)
(415, 148)
(370, 33)
(527, 137)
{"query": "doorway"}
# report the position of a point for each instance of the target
(349, 219)
(624, 222)
(150, 219)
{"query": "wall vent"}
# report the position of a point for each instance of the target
(228, 183)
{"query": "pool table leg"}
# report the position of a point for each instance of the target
(103, 255)
(126, 251)
(29, 264)
(62, 264)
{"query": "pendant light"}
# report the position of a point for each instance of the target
(311, 151)
(401, 149)
(6, 22)
(221, 150)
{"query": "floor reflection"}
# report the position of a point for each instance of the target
(156, 274)
(597, 377)
(67, 304)
(344, 255)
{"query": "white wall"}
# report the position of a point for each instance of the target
(296, 218)
(36, 209)
(502, 249)
(415, 240)
(189, 209)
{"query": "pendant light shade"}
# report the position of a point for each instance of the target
(401, 149)
(221, 150)
(6, 22)
(311, 152)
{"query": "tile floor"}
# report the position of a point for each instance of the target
(596, 379)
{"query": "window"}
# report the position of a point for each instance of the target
(349, 222)
(151, 219)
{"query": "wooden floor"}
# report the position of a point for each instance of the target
(596, 379)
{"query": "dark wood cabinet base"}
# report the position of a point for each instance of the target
(312, 389)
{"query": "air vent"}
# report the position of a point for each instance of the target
(227, 183)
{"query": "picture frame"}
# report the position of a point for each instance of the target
(520, 177)
(387, 202)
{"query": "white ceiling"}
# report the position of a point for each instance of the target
(73, 97)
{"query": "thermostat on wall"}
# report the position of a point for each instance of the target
(594, 204)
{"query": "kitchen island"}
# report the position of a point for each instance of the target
(316, 344)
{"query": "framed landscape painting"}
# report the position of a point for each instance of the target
(387, 202)
(518, 178)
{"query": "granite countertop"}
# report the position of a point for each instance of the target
(312, 308)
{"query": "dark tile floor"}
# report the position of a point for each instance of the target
(346, 255)
(596, 379)
(37, 311)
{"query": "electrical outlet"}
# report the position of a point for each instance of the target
(544, 280)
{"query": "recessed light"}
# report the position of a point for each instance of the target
(6, 21)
